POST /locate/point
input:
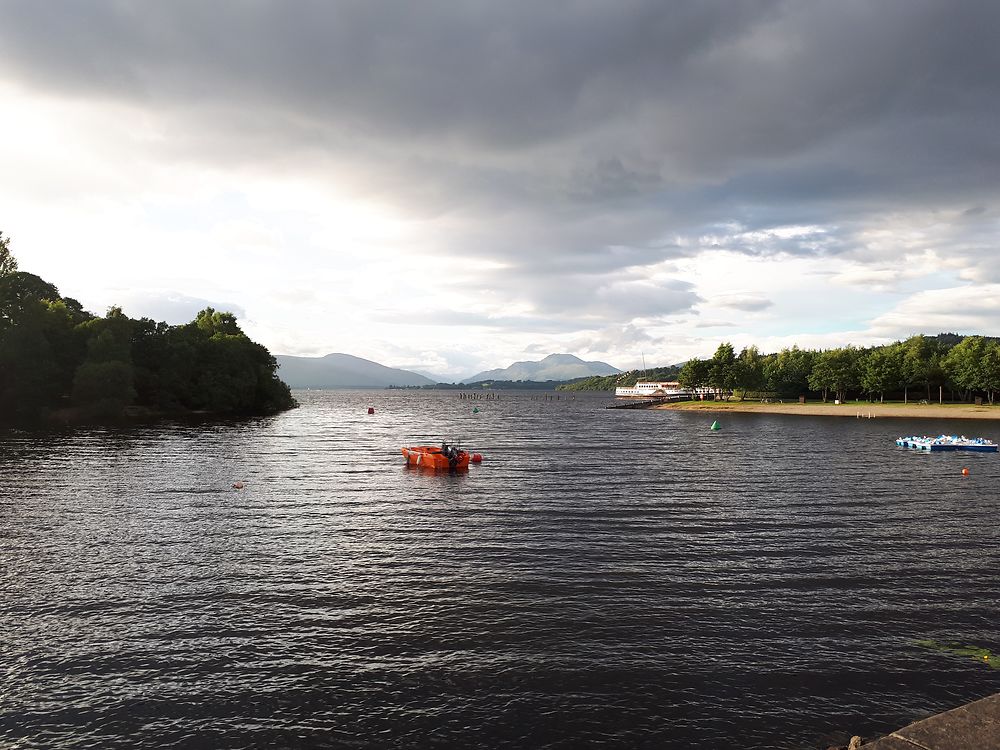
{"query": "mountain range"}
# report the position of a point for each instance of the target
(347, 371)
(343, 371)
(553, 367)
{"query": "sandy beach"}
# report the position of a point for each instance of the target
(853, 410)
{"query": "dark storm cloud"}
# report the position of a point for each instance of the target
(581, 137)
(493, 73)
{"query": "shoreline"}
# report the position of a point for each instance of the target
(853, 410)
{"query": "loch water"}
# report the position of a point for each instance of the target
(604, 579)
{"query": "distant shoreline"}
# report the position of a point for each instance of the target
(854, 410)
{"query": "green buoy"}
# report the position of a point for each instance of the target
(716, 425)
(476, 410)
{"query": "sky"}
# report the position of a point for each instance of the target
(454, 186)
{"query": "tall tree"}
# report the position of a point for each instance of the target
(881, 370)
(722, 371)
(695, 373)
(8, 264)
(104, 383)
(964, 365)
(918, 355)
(788, 372)
(748, 371)
(835, 370)
(991, 369)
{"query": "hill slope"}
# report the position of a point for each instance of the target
(343, 371)
(553, 367)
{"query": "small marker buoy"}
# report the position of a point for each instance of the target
(477, 458)
(965, 471)
(475, 410)
(237, 485)
(715, 425)
(371, 409)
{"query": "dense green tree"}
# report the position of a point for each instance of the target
(722, 372)
(104, 388)
(149, 354)
(67, 337)
(104, 383)
(21, 294)
(8, 264)
(835, 370)
(964, 365)
(53, 353)
(991, 369)
(918, 368)
(211, 365)
(881, 370)
(30, 376)
(215, 323)
(110, 337)
(695, 373)
(29, 373)
(748, 371)
(788, 372)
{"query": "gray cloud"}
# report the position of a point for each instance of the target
(624, 97)
(744, 303)
(578, 141)
(526, 323)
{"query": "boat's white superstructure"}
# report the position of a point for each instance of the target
(655, 389)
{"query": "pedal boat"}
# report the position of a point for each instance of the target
(947, 443)
(445, 458)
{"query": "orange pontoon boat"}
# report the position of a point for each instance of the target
(448, 457)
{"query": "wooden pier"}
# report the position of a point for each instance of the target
(645, 403)
(974, 726)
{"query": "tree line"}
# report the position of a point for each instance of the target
(54, 355)
(965, 366)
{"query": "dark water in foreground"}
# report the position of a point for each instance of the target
(604, 579)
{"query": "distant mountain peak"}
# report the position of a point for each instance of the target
(339, 370)
(552, 367)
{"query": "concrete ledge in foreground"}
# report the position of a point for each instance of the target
(975, 726)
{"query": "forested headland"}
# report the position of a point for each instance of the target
(58, 360)
(919, 368)
(610, 382)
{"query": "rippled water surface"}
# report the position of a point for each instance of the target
(605, 578)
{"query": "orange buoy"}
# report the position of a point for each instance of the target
(477, 458)
(965, 471)
(371, 409)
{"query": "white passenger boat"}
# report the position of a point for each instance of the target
(656, 389)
